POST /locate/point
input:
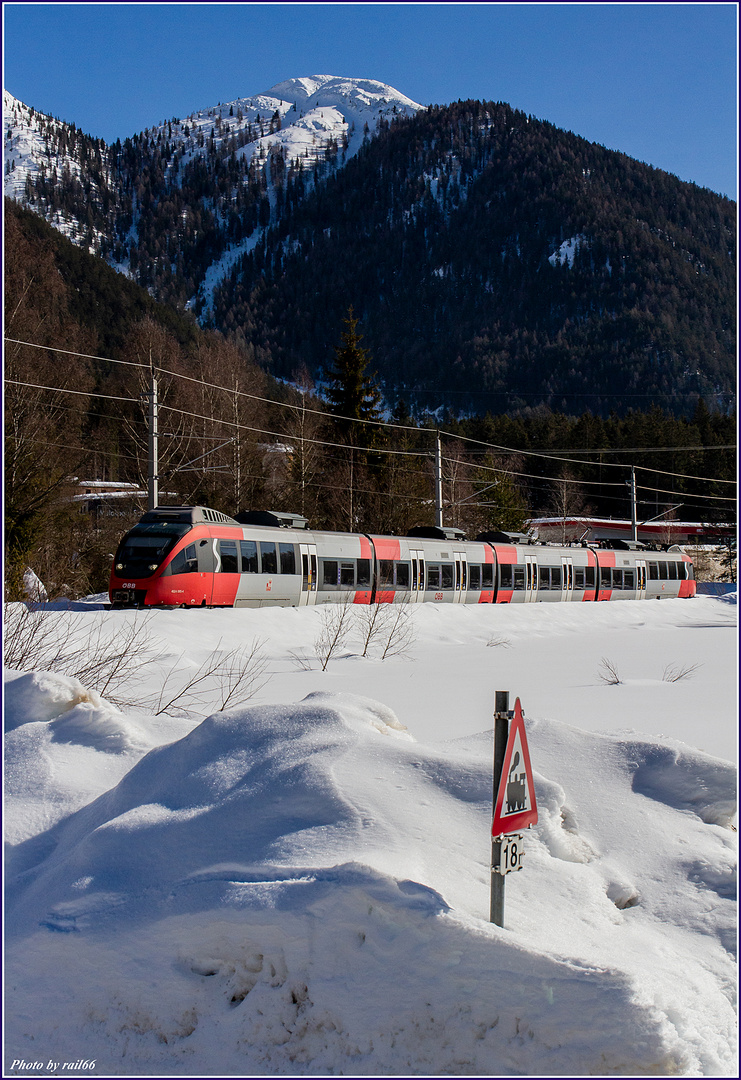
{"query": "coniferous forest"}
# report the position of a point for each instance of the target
(497, 263)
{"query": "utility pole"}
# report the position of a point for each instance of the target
(633, 510)
(438, 482)
(152, 470)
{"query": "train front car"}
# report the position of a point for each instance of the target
(170, 558)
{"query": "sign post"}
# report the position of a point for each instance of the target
(501, 731)
(514, 799)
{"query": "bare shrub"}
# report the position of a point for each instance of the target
(609, 673)
(301, 660)
(674, 673)
(36, 638)
(113, 661)
(234, 677)
(337, 622)
(499, 643)
(370, 620)
(398, 631)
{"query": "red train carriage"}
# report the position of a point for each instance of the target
(198, 557)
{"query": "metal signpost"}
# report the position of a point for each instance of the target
(515, 807)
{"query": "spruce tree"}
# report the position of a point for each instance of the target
(353, 393)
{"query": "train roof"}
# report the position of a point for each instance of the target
(193, 515)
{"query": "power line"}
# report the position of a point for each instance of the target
(373, 450)
(78, 393)
(399, 427)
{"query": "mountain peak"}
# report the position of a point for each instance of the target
(326, 89)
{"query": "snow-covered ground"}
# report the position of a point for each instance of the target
(299, 885)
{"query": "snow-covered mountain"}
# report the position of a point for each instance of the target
(239, 156)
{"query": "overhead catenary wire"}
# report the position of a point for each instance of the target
(388, 425)
(379, 450)
(577, 461)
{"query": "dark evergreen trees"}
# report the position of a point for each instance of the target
(352, 392)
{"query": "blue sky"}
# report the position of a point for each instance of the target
(656, 81)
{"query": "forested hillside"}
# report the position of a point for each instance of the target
(498, 262)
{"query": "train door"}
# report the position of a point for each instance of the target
(641, 579)
(309, 572)
(567, 578)
(207, 562)
(531, 579)
(417, 593)
(461, 577)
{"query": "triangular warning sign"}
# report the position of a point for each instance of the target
(515, 807)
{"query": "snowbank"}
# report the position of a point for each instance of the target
(302, 887)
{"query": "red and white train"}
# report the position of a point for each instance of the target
(196, 557)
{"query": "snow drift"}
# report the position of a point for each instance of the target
(302, 888)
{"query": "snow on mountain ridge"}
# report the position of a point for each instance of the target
(312, 122)
(365, 91)
(308, 120)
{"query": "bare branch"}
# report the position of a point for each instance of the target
(609, 674)
(674, 673)
(336, 625)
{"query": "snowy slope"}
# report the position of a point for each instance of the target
(299, 885)
(28, 136)
(309, 120)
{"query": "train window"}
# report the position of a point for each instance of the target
(433, 576)
(330, 571)
(519, 578)
(605, 578)
(228, 553)
(287, 558)
(447, 573)
(544, 577)
(487, 576)
(578, 577)
(421, 574)
(689, 571)
(402, 575)
(364, 573)
(617, 579)
(474, 577)
(385, 574)
(589, 577)
(663, 571)
(185, 562)
(249, 556)
(347, 574)
(268, 557)
(653, 571)
(629, 579)
(556, 577)
(673, 571)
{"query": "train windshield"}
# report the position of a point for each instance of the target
(145, 548)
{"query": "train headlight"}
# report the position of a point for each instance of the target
(119, 566)
(153, 566)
